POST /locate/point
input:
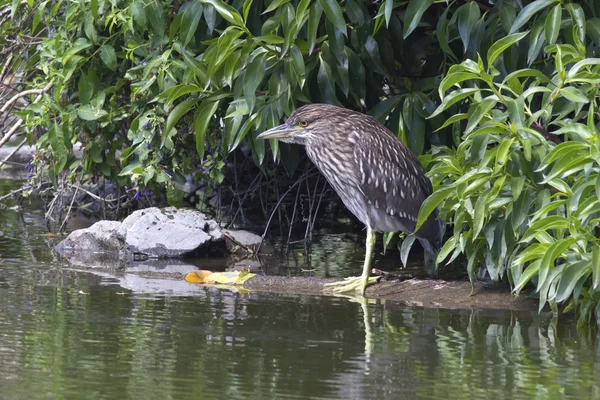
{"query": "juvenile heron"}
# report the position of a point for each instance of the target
(379, 180)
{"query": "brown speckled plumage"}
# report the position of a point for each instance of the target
(376, 176)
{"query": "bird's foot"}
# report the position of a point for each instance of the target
(353, 283)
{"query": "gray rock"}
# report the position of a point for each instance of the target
(168, 232)
(98, 238)
(150, 240)
(239, 241)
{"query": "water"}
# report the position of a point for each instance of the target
(78, 334)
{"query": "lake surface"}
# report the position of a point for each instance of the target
(67, 333)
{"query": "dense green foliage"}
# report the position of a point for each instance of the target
(503, 95)
(522, 184)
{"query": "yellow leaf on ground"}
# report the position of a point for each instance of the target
(227, 278)
(198, 276)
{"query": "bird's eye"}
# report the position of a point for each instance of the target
(303, 124)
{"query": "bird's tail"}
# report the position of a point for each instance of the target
(432, 247)
(429, 257)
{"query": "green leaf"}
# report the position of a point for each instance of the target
(583, 63)
(175, 115)
(175, 92)
(578, 17)
(88, 113)
(202, 119)
(527, 12)
(298, 61)
(503, 151)
(254, 75)
(59, 150)
(441, 32)
(301, 10)
(334, 14)
(416, 126)
(38, 15)
(454, 78)
(545, 224)
(431, 203)
(468, 15)
(448, 246)
(325, 81)
(552, 24)
(555, 250)
(517, 183)
(596, 267)
(229, 13)
(498, 47)
(529, 272)
(89, 28)
(372, 48)
(274, 4)
(384, 108)
(453, 98)
(580, 130)
(190, 21)
(536, 41)
(14, 8)
(547, 208)
(478, 113)
(413, 15)
(573, 94)
(79, 45)
(593, 30)
(566, 167)
(479, 215)
(108, 56)
(314, 16)
(570, 277)
(405, 248)
(453, 119)
(138, 13)
(85, 89)
(389, 6)
(156, 17)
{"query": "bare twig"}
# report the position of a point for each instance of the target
(5, 68)
(13, 152)
(18, 96)
(92, 195)
(11, 132)
(17, 124)
(13, 192)
(228, 236)
(70, 207)
(300, 180)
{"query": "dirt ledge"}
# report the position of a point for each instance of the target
(413, 292)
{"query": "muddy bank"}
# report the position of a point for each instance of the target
(413, 292)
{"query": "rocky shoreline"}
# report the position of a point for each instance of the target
(147, 252)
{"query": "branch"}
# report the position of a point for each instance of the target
(17, 124)
(11, 132)
(18, 96)
(13, 152)
(5, 68)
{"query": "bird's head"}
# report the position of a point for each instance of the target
(307, 125)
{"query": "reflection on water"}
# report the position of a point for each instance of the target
(70, 334)
(77, 334)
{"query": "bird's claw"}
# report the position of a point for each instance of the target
(353, 283)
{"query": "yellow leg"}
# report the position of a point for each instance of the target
(363, 281)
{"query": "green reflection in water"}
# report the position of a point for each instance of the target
(69, 334)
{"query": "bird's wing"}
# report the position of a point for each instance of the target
(391, 177)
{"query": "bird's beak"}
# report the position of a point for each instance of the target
(279, 132)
